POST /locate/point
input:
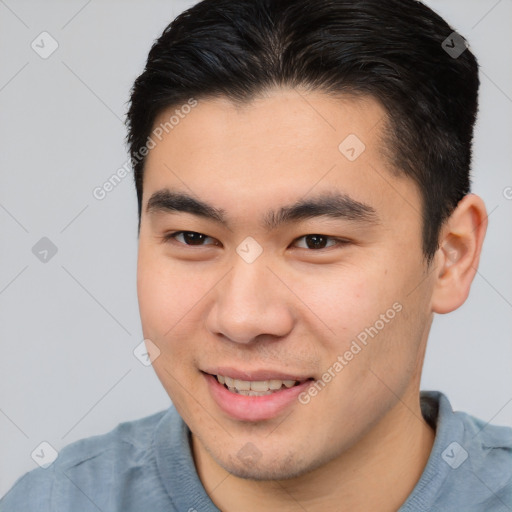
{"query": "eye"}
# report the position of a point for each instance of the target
(189, 238)
(314, 241)
(317, 242)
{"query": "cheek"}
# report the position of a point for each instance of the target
(166, 293)
(166, 297)
(346, 300)
(368, 317)
(172, 299)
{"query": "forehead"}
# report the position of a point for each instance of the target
(278, 118)
(276, 148)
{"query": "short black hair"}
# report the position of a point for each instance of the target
(396, 51)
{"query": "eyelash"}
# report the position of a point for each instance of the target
(339, 241)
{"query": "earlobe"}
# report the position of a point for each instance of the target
(460, 245)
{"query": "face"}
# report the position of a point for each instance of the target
(284, 259)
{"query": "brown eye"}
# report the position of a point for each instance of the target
(188, 238)
(317, 242)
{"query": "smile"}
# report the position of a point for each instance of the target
(254, 400)
(255, 387)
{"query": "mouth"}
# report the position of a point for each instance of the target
(263, 397)
(257, 387)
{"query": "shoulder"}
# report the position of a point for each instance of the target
(470, 465)
(126, 438)
(476, 457)
(489, 456)
(84, 464)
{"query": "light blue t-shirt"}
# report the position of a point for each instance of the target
(147, 466)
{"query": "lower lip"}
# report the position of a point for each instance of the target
(253, 408)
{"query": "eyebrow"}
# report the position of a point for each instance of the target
(332, 205)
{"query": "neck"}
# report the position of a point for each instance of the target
(377, 473)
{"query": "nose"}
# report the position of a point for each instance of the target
(250, 302)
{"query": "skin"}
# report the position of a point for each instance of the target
(361, 443)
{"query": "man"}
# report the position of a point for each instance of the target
(302, 171)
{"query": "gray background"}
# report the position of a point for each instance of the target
(69, 326)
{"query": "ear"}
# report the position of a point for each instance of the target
(456, 260)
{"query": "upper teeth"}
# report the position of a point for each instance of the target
(254, 385)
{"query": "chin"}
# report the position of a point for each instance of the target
(267, 467)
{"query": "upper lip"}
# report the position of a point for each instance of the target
(254, 375)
